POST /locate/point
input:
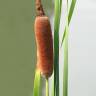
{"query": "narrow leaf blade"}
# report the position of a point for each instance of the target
(36, 89)
(71, 10)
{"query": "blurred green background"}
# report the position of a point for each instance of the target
(17, 46)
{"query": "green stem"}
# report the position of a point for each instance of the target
(65, 80)
(71, 10)
(56, 47)
(36, 89)
(47, 88)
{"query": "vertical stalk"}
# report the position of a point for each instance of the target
(65, 81)
(47, 88)
(36, 89)
(70, 13)
(56, 47)
(65, 78)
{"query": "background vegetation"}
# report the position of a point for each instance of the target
(17, 46)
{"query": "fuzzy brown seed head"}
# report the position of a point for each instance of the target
(44, 45)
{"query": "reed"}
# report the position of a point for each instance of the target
(36, 89)
(56, 47)
(70, 13)
(44, 42)
(47, 62)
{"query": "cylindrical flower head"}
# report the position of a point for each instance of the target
(44, 43)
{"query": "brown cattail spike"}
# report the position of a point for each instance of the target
(44, 43)
(39, 8)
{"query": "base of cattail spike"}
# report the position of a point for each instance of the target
(45, 76)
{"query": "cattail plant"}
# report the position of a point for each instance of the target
(44, 42)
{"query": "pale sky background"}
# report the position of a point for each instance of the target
(82, 49)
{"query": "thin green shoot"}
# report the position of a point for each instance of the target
(65, 73)
(60, 6)
(56, 47)
(36, 89)
(47, 88)
(71, 10)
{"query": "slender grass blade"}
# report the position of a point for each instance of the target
(36, 89)
(65, 73)
(60, 6)
(71, 10)
(56, 47)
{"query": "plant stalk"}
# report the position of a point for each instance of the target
(39, 8)
(65, 78)
(47, 88)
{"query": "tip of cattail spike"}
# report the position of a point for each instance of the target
(44, 44)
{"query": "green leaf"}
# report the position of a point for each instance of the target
(71, 10)
(36, 89)
(65, 73)
(60, 6)
(53, 87)
(56, 47)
